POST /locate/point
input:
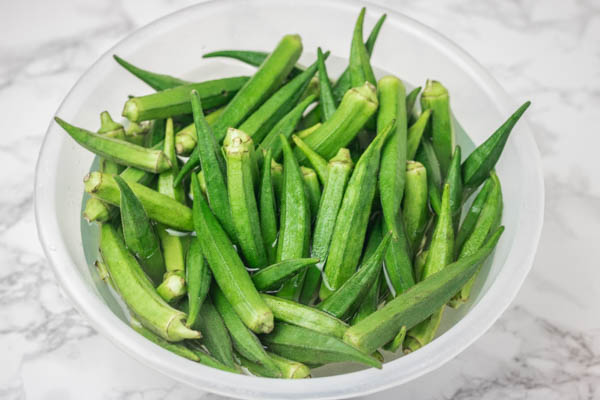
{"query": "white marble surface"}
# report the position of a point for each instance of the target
(546, 346)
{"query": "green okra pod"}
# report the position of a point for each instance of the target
(358, 105)
(119, 151)
(267, 210)
(277, 178)
(304, 133)
(420, 261)
(136, 133)
(395, 344)
(345, 300)
(109, 127)
(360, 66)
(138, 293)
(227, 267)
(242, 202)
(326, 99)
(307, 317)
(351, 223)
(416, 304)
(244, 341)
(175, 348)
(139, 233)
(209, 360)
(415, 212)
(339, 169)
(176, 101)
(307, 346)
(271, 277)
(261, 85)
(166, 180)
(255, 58)
(289, 369)
(294, 231)
(477, 167)
(411, 99)
(319, 163)
(198, 278)
(435, 97)
(155, 81)
(415, 133)
(470, 220)
(426, 156)
(186, 138)
(159, 207)
(454, 179)
(157, 133)
(313, 188)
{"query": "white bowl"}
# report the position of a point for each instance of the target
(174, 44)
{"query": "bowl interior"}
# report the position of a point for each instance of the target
(174, 45)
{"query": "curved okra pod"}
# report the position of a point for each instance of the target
(186, 138)
(319, 163)
(483, 159)
(285, 127)
(304, 133)
(440, 254)
(244, 341)
(176, 101)
(242, 202)
(255, 58)
(411, 99)
(261, 85)
(289, 369)
(360, 66)
(138, 293)
(227, 267)
(395, 344)
(358, 105)
(454, 179)
(339, 168)
(166, 184)
(139, 233)
(468, 224)
(326, 99)
(416, 304)
(159, 207)
(198, 278)
(154, 80)
(351, 222)
(209, 360)
(119, 151)
(344, 301)
(267, 210)
(294, 231)
(487, 222)
(414, 209)
(435, 97)
(271, 277)
(415, 133)
(426, 156)
(136, 133)
(313, 188)
(156, 133)
(307, 317)
(175, 348)
(308, 346)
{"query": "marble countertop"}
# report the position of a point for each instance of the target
(547, 344)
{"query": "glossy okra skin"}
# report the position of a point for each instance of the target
(267, 210)
(415, 133)
(176, 101)
(477, 167)
(242, 202)
(139, 234)
(138, 293)
(227, 267)
(289, 369)
(244, 341)
(158, 206)
(298, 314)
(307, 346)
(339, 169)
(294, 225)
(357, 106)
(119, 151)
(255, 58)
(415, 211)
(360, 66)
(261, 85)
(319, 163)
(435, 97)
(186, 138)
(313, 188)
(326, 99)
(154, 80)
(351, 222)
(271, 277)
(416, 304)
(198, 278)
(345, 301)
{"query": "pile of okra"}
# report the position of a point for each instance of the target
(282, 221)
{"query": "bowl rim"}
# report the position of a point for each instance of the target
(481, 316)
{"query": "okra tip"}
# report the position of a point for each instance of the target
(130, 110)
(177, 331)
(434, 88)
(264, 322)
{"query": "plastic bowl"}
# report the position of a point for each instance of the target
(174, 44)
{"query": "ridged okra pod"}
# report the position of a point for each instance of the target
(313, 188)
(319, 163)
(250, 57)
(415, 211)
(267, 210)
(468, 224)
(415, 133)
(187, 137)
(154, 80)
(289, 369)
(271, 277)
(360, 66)
(326, 100)
(198, 278)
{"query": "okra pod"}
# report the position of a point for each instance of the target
(415, 210)
(454, 179)
(435, 97)
(411, 99)
(319, 163)
(339, 168)
(483, 159)
(155, 81)
(420, 261)
(415, 133)
(149, 308)
(198, 278)
(396, 343)
(470, 220)
(360, 66)
(426, 156)
(307, 317)
(267, 210)
(289, 369)
(307, 346)
(277, 178)
(255, 58)
(186, 138)
(210, 361)
(351, 222)
(304, 133)
(271, 277)
(166, 179)
(326, 99)
(176, 101)
(156, 133)
(227, 267)
(261, 85)
(136, 133)
(416, 304)
(175, 348)
(119, 151)
(313, 188)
